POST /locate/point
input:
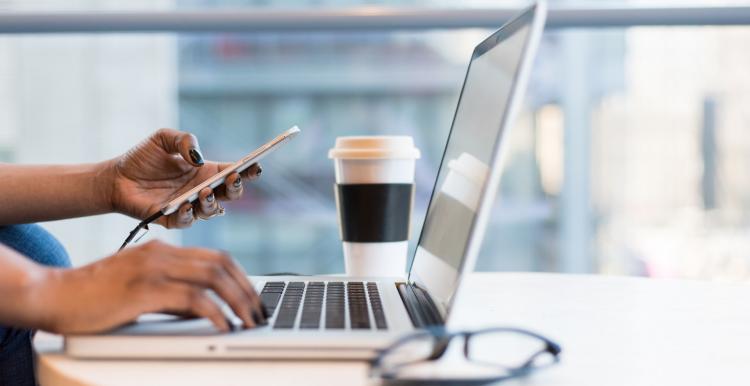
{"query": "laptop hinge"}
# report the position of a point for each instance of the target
(419, 306)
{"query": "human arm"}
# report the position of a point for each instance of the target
(33, 193)
(152, 277)
(136, 183)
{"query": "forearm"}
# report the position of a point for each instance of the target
(32, 193)
(21, 283)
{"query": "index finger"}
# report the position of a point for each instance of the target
(240, 276)
(237, 275)
(202, 267)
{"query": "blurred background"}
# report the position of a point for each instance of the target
(630, 157)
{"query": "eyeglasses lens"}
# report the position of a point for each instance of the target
(507, 349)
(416, 349)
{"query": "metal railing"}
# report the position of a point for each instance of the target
(360, 18)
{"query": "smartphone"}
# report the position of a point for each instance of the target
(239, 166)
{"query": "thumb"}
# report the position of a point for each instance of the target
(175, 141)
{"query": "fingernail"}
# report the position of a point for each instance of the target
(238, 182)
(230, 325)
(259, 320)
(196, 156)
(260, 170)
(210, 197)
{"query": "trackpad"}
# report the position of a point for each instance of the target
(163, 324)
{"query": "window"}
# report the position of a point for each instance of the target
(628, 158)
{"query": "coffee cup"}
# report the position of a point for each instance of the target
(374, 195)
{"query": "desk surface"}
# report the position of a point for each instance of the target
(613, 330)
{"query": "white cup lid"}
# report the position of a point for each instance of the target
(375, 147)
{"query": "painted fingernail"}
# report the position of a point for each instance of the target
(258, 319)
(238, 182)
(260, 170)
(196, 156)
(210, 197)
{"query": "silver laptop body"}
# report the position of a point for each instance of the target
(351, 318)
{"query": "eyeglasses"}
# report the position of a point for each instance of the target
(494, 354)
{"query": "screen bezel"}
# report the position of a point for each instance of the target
(533, 16)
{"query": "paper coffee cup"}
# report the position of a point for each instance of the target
(374, 195)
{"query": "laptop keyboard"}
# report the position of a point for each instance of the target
(324, 305)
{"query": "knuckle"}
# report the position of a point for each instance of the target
(237, 301)
(187, 215)
(182, 221)
(163, 131)
(194, 298)
(149, 264)
(224, 257)
(216, 273)
(154, 244)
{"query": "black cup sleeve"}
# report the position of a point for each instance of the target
(374, 212)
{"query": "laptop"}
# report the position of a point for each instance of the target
(341, 317)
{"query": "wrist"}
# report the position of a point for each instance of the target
(105, 183)
(58, 303)
(38, 297)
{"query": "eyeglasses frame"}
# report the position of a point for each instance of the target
(443, 338)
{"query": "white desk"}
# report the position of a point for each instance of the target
(614, 331)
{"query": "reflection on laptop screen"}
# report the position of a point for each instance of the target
(465, 167)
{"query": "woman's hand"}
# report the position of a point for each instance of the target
(162, 167)
(152, 277)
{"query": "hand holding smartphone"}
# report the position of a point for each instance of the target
(215, 180)
(239, 166)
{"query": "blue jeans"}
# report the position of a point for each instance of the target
(16, 352)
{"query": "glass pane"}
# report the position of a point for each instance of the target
(629, 157)
(237, 91)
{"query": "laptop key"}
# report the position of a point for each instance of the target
(359, 316)
(271, 294)
(335, 306)
(289, 306)
(377, 306)
(270, 300)
(311, 308)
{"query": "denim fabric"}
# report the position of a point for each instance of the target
(16, 352)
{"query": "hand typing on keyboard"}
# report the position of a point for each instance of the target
(146, 278)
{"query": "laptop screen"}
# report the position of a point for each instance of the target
(465, 168)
